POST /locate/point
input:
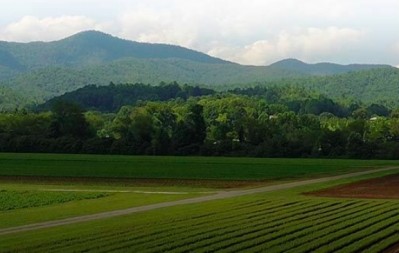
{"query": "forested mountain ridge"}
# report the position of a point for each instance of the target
(369, 86)
(299, 99)
(9, 99)
(93, 48)
(42, 84)
(111, 98)
(86, 49)
(323, 68)
(38, 71)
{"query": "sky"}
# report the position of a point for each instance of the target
(252, 32)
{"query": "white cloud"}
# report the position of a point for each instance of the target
(395, 48)
(147, 25)
(307, 44)
(31, 28)
(395, 54)
(250, 32)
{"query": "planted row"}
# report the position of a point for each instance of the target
(279, 225)
(10, 200)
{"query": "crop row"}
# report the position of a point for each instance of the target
(310, 236)
(284, 238)
(145, 234)
(239, 232)
(63, 165)
(265, 232)
(253, 226)
(316, 235)
(11, 200)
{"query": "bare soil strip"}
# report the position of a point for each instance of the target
(377, 188)
(219, 195)
(119, 191)
(137, 182)
(393, 249)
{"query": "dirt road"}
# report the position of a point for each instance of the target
(219, 195)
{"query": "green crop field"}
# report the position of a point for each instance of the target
(284, 221)
(175, 167)
(10, 200)
(280, 221)
(27, 203)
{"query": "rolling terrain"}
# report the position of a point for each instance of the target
(118, 217)
(379, 85)
(376, 86)
(37, 71)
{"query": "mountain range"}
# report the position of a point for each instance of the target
(36, 71)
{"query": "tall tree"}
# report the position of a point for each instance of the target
(68, 120)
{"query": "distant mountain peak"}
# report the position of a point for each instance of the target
(45, 69)
(91, 35)
(289, 62)
(322, 68)
(90, 48)
(117, 48)
(92, 32)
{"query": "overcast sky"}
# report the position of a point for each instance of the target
(256, 32)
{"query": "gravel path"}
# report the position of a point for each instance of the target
(219, 195)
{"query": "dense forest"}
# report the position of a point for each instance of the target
(261, 122)
(112, 97)
(35, 72)
(369, 86)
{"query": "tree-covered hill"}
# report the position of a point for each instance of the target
(112, 97)
(38, 71)
(260, 121)
(9, 99)
(321, 69)
(368, 86)
(45, 83)
(86, 49)
(93, 48)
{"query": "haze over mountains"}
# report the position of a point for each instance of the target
(37, 71)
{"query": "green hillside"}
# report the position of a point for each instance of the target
(111, 98)
(321, 69)
(9, 99)
(369, 86)
(48, 82)
(38, 71)
(86, 49)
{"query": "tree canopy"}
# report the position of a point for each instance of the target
(261, 122)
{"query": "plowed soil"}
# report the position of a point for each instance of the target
(377, 188)
(393, 249)
(141, 182)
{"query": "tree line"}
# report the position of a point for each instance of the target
(258, 122)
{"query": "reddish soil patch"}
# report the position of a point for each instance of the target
(393, 249)
(377, 188)
(221, 184)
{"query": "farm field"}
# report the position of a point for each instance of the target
(283, 221)
(377, 188)
(11, 200)
(150, 167)
(279, 221)
(26, 203)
